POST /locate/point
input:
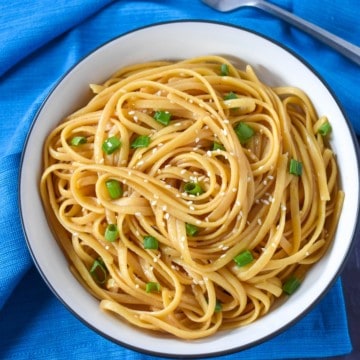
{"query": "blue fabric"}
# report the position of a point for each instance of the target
(41, 40)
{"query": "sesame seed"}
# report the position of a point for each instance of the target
(259, 221)
(131, 112)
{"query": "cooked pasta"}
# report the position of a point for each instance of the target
(188, 196)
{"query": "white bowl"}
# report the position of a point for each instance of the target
(275, 65)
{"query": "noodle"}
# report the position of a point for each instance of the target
(192, 157)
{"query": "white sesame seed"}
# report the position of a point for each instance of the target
(259, 221)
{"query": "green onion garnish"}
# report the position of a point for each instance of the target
(244, 258)
(230, 96)
(244, 132)
(98, 271)
(151, 242)
(295, 167)
(218, 306)
(111, 233)
(140, 142)
(191, 230)
(217, 146)
(325, 129)
(152, 287)
(224, 69)
(78, 140)
(114, 188)
(193, 188)
(291, 285)
(111, 144)
(162, 117)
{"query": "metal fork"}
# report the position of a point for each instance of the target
(345, 48)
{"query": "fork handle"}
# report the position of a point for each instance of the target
(344, 47)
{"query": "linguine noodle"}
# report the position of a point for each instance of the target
(188, 196)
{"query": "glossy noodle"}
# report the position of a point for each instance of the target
(188, 196)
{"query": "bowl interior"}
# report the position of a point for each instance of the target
(177, 40)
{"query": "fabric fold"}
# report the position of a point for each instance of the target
(27, 26)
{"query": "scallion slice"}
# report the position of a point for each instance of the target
(152, 287)
(217, 146)
(191, 230)
(295, 167)
(162, 117)
(114, 188)
(291, 285)
(98, 271)
(218, 306)
(244, 132)
(78, 140)
(224, 70)
(325, 129)
(244, 258)
(193, 188)
(111, 144)
(141, 141)
(150, 242)
(230, 96)
(111, 233)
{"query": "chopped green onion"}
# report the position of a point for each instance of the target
(224, 69)
(151, 242)
(141, 142)
(111, 144)
(244, 258)
(98, 271)
(193, 188)
(114, 188)
(162, 117)
(325, 129)
(291, 285)
(111, 233)
(244, 132)
(218, 306)
(152, 287)
(78, 140)
(191, 230)
(295, 167)
(230, 96)
(217, 146)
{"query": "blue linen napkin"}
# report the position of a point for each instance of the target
(41, 40)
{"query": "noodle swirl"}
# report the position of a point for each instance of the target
(191, 284)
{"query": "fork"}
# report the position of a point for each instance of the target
(347, 49)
